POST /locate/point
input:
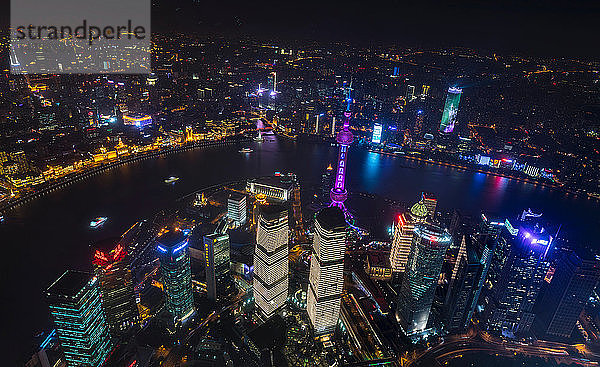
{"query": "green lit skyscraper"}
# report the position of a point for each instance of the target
(176, 274)
(450, 110)
(76, 309)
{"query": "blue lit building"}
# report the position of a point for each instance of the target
(176, 274)
(570, 289)
(377, 130)
(76, 308)
(514, 292)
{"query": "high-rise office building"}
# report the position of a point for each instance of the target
(430, 201)
(326, 279)
(270, 280)
(76, 308)
(490, 227)
(410, 93)
(421, 275)
(111, 267)
(218, 265)
(450, 110)
(462, 294)
(425, 92)
(176, 274)
(510, 310)
(377, 131)
(236, 209)
(572, 285)
(418, 128)
(326, 181)
(403, 234)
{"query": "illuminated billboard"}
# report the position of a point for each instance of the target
(450, 110)
(138, 120)
(377, 128)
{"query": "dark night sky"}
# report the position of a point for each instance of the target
(549, 28)
(552, 28)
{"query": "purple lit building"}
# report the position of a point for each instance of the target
(510, 308)
(338, 193)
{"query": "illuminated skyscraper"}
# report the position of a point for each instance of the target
(236, 209)
(270, 281)
(418, 129)
(176, 274)
(572, 285)
(450, 110)
(403, 235)
(425, 92)
(410, 93)
(326, 180)
(326, 279)
(218, 265)
(510, 310)
(423, 269)
(111, 267)
(462, 294)
(273, 82)
(377, 129)
(333, 126)
(76, 308)
(430, 201)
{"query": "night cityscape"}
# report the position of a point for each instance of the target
(306, 185)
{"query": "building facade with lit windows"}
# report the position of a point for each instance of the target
(176, 274)
(403, 235)
(76, 309)
(514, 294)
(271, 264)
(570, 289)
(421, 275)
(378, 265)
(111, 267)
(236, 209)
(326, 278)
(218, 264)
(430, 201)
(464, 286)
(273, 187)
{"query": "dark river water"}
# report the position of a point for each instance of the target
(44, 237)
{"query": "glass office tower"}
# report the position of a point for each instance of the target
(76, 308)
(176, 274)
(218, 264)
(111, 266)
(423, 269)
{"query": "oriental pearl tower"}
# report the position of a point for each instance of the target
(338, 193)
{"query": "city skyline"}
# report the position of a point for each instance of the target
(297, 185)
